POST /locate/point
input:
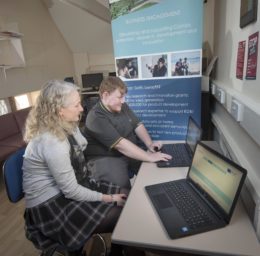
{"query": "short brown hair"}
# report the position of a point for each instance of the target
(110, 84)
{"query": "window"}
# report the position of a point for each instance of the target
(18, 102)
(22, 101)
(3, 107)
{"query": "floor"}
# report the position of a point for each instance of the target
(12, 238)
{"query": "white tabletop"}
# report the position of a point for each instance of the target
(139, 224)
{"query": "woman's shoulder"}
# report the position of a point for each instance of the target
(49, 140)
(47, 145)
(48, 137)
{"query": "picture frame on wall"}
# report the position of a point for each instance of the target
(248, 12)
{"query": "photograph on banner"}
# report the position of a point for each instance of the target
(186, 63)
(127, 68)
(123, 7)
(154, 66)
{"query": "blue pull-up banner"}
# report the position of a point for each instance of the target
(157, 48)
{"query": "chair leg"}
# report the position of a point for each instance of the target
(98, 246)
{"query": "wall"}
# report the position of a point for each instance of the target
(87, 63)
(208, 29)
(238, 139)
(47, 55)
(227, 35)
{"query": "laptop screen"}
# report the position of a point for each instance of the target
(218, 177)
(193, 134)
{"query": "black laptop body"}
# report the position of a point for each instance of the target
(182, 152)
(210, 191)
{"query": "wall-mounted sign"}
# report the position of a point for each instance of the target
(252, 56)
(240, 59)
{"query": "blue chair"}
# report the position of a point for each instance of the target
(13, 179)
(13, 176)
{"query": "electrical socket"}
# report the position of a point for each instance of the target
(220, 95)
(237, 110)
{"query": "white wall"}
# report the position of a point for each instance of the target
(240, 139)
(87, 63)
(208, 29)
(47, 55)
(227, 35)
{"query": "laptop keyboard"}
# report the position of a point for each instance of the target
(193, 214)
(179, 153)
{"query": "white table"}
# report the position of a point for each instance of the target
(140, 226)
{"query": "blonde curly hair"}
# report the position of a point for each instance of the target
(44, 116)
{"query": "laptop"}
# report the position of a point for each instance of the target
(204, 200)
(182, 152)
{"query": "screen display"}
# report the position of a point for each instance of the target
(91, 80)
(217, 177)
(193, 134)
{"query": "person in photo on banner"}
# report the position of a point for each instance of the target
(178, 68)
(64, 206)
(112, 130)
(185, 67)
(160, 69)
(123, 71)
(132, 70)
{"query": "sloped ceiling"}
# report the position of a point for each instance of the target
(84, 24)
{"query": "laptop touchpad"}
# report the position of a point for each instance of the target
(162, 201)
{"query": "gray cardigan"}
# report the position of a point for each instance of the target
(47, 171)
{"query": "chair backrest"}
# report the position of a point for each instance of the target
(13, 176)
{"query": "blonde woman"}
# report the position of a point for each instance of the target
(63, 205)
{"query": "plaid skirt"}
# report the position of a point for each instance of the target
(65, 222)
